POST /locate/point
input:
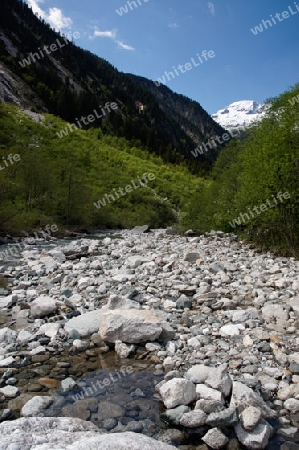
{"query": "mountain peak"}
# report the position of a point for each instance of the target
(240, 114)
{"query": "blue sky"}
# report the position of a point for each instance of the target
(158, 35)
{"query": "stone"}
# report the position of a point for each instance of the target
(257, 439)
(24, 337)
(177, 391)
(68, 384)
(193, 419)
(109, 410)
(9, 391)
(109, 424)
(35, 406)
(247, 341)
(136, 261)
(222, 418)
(49, 383)
(134, 426)
(141, 229)
(215, 439)
(49, 329)
(220, 379)
(45, 433)
(130, 326)
(292, 405)
(286, 392)
(231, 330)
(123, 350)
(203, 391)
(250, 417)
(7, 336)
(116, 302)
(243, 396)
(209, 406)
(80, 345)
(80, 409)
(191, 257)
(7, 362)
(294, 368)
(173, 416)
(43, 306)
(198, 373)
(85, 324)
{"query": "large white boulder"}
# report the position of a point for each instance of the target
(130, 326)
(57, 433)
(177, 391)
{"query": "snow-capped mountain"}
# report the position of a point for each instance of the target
(240, 114)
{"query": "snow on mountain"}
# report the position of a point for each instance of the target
(240, 114)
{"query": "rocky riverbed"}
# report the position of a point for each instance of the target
(150, 340)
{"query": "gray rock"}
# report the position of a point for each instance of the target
(109, 424)
(215, 439)
(177, 391)
(220, 379)
(294, 368)
(50, 433)
(193, 419)
(9, 391)
(135, 427)
(116, 302)
(292, 405)
(223, 418)
(243, 396)
(191, 257)
(130, 326)
(250, 417)
(86, 324)
(109, 410)
(258, 438)
(203, 391)
(198, 373)
(7, 362)
(35, 406)
(123, 350)
(174, 415)
(68, 384)
(7, 336)
(43, 306)
(141, 229)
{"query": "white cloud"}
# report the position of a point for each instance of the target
(57, 20)
(111, 34)
(54, 16)
(211, 7)
(173, 25)
(124, 46)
